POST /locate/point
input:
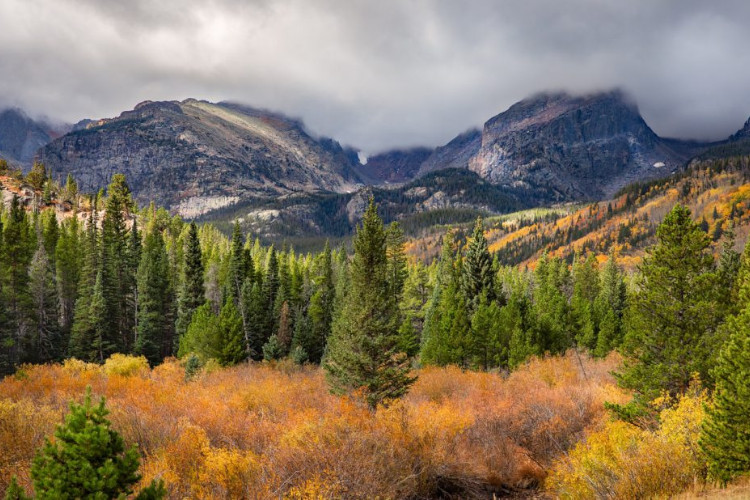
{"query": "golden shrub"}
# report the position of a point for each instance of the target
(622, 461)
(267, 431)
(126, 366)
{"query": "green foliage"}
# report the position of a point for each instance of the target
(726, 431)
(231, 339)
(477, 277)
(37, 176)
(192, 292)
(155, 318)
(363, 349)
(202, 337)
(674, 312)
(88, 459)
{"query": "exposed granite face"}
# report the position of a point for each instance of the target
(577, 147)
(566, 147)
(21, 137)
(193, 155)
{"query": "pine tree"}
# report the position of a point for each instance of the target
(487, 347)
(232, 339)
(193, 293)
(203, 336)
(154, 339)
(68, 260)
(609, 308)
(88, 459)
(320, 310)
(362, 350)
(477, 276)
(37, 176)
(396, 260)
(726, 274)
(82, 328)
(116, 266)
(71, 190)
(18, 249)
(674, 312)
(726, 430)
(585, 291)
(44, 343)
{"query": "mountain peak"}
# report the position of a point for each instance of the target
(195, 156)
(21, 136)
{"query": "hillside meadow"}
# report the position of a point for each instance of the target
(274, 430)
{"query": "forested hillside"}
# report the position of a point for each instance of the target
(716, 191)
(460, 377)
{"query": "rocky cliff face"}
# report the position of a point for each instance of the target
(577, 147)
(195, 156)
(565, 147)
(21, 137)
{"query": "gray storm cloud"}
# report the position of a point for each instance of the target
(382, 74)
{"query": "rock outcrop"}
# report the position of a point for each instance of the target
(193, 156)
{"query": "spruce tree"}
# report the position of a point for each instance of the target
(18, 249)
(44, 345)
(726, 430)
(609, 308)
(477, 274)
(68, 259)
(320, 310)
(362, 350)
(192, 294)
(88, 459)
(82, 327)
(672, 333)
(154, 293)
(585, 291)
(203, 335)
(116, 266)
(238, 265)
(232, 341)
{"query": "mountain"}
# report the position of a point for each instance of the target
(393, 167)
(578, 147)
(456, 154)
(195, 156)
(21, 136)
(569, 148)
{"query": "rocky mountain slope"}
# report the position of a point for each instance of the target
(578, 147)
(195, 156)
(21, 136)
(569, 147)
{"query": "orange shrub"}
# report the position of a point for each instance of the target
(274, 431)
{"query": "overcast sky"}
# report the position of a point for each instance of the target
(383, 73)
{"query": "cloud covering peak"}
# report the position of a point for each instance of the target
(380, 74)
